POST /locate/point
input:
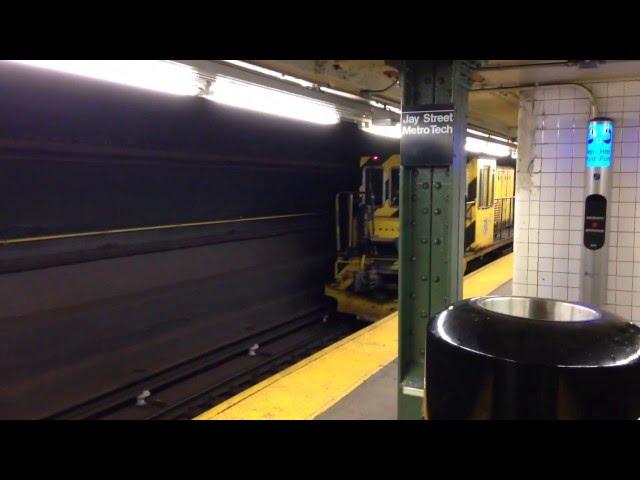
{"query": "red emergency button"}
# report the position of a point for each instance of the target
(594, 224)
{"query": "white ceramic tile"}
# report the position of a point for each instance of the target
(547, 179)
(561, 237)
(547, 208)
(631, 119)
(573, 294)
(628, 164)
(615, 89)
(631, 104)
(549, 151)
(598, 89)
(545, 291)
(575, 237)
(573, 280)
(625, 269)
(563, 194)
(551, 93)
(548, 194)
(625, 239)
(546, 249)
(560, 265)
(581, 106)
(559, 279)
(615, 104)
(576, 223)
(627, 209)
(624, 254)
(563, 179)
(545, 278)
(545, 236)
(565, 160)
(577, 179)
(551, 107)
(546, 222)
(560, 293)
(574, 266)
(625, 224)
(627, 194)
(577, 194)
(577, 165)
(575, 252)
(631, 88)
(567, 92)
(623, 298)
(624, 284)
(561, 251)
(630, 149)
(548, 165)
(628, 180)
(562, 208)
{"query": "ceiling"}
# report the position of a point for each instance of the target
(495, 110)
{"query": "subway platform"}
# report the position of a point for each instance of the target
(354, 379)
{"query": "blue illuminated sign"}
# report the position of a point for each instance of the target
(600, 143)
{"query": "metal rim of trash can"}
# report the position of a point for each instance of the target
(538, 309)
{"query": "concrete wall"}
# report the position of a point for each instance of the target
(550, 194)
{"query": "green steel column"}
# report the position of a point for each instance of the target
(431, 222)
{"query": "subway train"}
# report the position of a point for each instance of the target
(367, 225)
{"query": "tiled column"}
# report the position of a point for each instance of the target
(550, 193)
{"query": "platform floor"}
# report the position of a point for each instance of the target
(376, 398)
(341, 380)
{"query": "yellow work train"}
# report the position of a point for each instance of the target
(365, 282)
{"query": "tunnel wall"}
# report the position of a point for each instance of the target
(550, 194)
(79, 155)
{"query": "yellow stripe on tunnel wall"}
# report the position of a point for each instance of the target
(308, 388)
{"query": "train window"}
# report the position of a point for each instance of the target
(373, 183)
(485, 187)
(394, 195)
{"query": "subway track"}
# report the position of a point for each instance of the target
(191, 387)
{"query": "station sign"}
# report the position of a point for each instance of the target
(427, 136)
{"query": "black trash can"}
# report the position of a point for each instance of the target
(531, 358)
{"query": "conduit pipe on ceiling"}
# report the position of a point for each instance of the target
(592, 98)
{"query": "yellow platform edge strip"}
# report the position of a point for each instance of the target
(311, 386)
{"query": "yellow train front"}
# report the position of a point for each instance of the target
(365, 282)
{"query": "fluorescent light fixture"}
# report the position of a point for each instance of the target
(271, 73)
(159, 75)
(391, 131)
(262, 99)
(477, 132)
(476, 145)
